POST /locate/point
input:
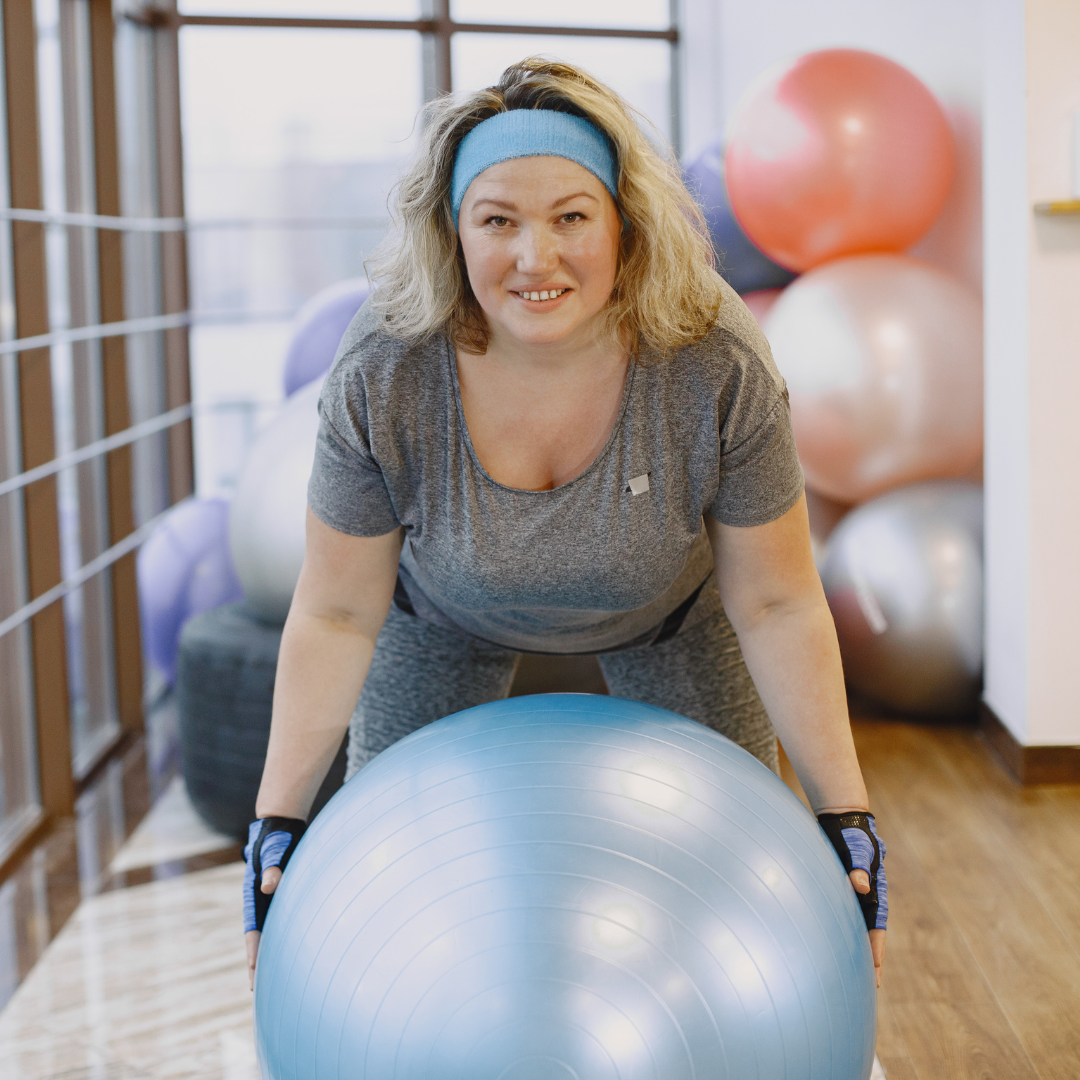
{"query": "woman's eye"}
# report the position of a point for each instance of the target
(572, 216)
(497, 221)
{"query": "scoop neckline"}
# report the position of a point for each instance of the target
(451, 352)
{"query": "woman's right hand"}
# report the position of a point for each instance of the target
(270, 880)
(271, 843)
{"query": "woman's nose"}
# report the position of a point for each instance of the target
(538, 251)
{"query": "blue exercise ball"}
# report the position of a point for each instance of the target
(745, 267)
(562, 886)
(184, 568)
(320, 325)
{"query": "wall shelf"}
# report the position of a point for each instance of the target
(1054, 209)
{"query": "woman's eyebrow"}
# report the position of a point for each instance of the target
(495, 202)
(576, 195)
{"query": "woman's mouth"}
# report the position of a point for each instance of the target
(542, 294)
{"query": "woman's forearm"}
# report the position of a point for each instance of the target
(321, 670)
(793, 657)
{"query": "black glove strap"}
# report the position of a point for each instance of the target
(295, 828)
(833, 826)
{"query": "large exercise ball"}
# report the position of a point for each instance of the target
(837, 152)
(563, 886)
(903, 576)
(745, 267)
(184, 568)
(319, 327)
(266, 523)
(883, 360)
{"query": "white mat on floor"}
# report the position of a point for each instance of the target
(172, 830)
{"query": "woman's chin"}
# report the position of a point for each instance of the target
(543, 330)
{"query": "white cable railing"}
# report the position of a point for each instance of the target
(174, 225)
(146, 325)
(82, 575)
(126, 327)
(97, 449)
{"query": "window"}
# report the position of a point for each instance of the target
(297, 120)
(294, 136)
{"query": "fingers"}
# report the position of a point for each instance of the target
(860, 881)
(877, 947)
(272, 875)
(251, 943)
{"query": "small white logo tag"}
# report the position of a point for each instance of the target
(639, 484)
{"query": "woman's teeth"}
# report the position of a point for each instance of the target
(544, 294)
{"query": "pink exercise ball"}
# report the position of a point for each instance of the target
(838, 152)
(883, 359)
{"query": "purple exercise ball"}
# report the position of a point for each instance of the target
(183, 569)
(320, 325)
(744, 266)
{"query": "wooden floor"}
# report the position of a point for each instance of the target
(982, 972)
(982, 967)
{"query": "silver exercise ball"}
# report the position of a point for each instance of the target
(266, 522)
(903, 576)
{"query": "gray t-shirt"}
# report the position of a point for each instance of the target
(590, 565)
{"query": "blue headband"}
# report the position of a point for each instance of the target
(531, 133)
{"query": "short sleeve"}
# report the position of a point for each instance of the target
(760, 475)
(347, 490)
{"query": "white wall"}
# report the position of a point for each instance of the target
(1033, 370)
(1007, 432)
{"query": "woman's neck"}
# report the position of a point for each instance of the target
(538, 417)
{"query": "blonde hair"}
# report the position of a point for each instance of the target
(666, 293)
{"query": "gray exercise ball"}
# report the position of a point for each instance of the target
(266, 521)
(904, 579)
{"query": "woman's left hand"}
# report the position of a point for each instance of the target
(853, 833)
(860, 879)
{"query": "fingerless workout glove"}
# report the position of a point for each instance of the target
(271, 842)
(855, 838)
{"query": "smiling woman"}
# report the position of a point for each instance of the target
(554, 429)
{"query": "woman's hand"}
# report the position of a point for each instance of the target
(252, 938)
(271, 843)
(860, 880)
(853, 835)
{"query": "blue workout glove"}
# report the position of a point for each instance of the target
(855, 838)
(271, 842)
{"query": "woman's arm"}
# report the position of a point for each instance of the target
(344, 592)
(342, 598)
(773, 596)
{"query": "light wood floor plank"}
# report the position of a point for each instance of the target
(961, 1042)
(963, 834)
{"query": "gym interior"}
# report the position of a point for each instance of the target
(190, 192)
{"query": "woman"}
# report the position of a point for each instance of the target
(555, 429)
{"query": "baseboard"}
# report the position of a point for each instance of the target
(1030, 764)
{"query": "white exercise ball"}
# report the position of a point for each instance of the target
(903, 576)
(883, 360)
(266, 522)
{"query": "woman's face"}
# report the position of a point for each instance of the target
(540, 227)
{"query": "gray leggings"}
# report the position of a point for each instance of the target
(421, 672)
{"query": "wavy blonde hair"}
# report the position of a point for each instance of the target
(666, 293)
